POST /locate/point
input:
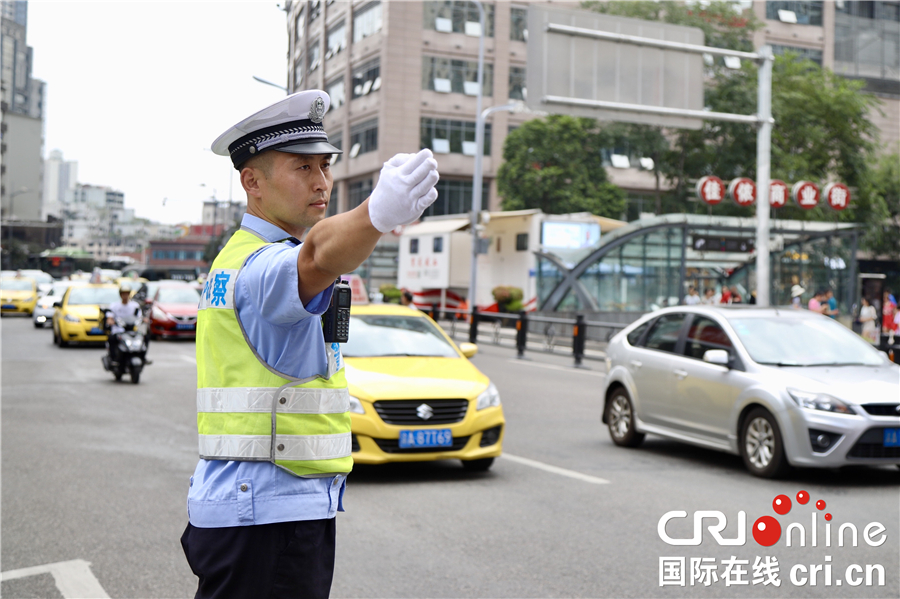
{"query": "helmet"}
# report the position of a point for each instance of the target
(125, 288)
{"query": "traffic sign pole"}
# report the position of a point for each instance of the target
(763, 174)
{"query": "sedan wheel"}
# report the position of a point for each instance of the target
(761, 445)
(620, 420)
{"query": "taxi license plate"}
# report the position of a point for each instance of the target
(95, 331)
(8, 307)
(435, 437)
(892, 437)
(184, 327)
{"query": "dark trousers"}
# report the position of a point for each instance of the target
(288, 559)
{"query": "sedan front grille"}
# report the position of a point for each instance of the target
(871, 445)
(393, 446)
(882, 409)
(406, 412)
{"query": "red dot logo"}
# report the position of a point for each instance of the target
(802, 497)
(766, 531)
(820, 505)
(828, 517)
(781, 504)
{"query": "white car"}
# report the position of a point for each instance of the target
(778, 386)
(43, 310)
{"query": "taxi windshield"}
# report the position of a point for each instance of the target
(178, 295)
(390, 335)
(82, 296)
(17, 284)
(779, 341)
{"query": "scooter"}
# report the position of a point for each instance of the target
(131, 354)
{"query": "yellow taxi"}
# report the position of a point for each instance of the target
(18, 294)
(414, 395)
(77, 317)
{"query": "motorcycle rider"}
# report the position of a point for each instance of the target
(126, 309)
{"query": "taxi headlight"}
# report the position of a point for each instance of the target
(489, 399)
(356, 406)
(71, 318)
(819, 401)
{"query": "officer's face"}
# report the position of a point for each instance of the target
(296, 189)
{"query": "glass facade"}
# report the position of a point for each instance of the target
(805, 12)
(649, 265)
(867, 43)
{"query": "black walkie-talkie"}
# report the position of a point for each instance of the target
(336, 320)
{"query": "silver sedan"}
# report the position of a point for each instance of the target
(780, 387)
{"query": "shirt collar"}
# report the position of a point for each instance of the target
(264, 229)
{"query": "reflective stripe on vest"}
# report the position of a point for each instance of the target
(247, 410)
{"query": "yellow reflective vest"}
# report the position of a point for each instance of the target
(246, 410)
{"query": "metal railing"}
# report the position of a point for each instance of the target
(529, 332)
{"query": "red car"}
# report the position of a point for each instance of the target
(174, 311)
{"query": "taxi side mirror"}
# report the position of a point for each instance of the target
(468, 349)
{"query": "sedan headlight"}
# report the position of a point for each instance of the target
(71, 318)
(489, 399)
(819, 401)
(356, 406)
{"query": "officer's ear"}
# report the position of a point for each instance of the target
(250, 177)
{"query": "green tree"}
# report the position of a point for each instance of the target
(555, 164)
(883, 238)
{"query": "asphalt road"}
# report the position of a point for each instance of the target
(95, 476)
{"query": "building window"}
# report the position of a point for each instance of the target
(315, 9)
(336, 93)
(367, 21)
(337, 39)
(455, 76)
(366, 78)
(358, 192)
(458, 16)
(518, 26)
(299, 27)
(298, 73)
(315, 55)
(443, 136)
(801, 12)
(332, 203)
(437, 245)
(867, 44)
(517, 89)
(455, 197)
(802, 53)
(521, 242)
(363, 137)
(414, 245)
(337, 140)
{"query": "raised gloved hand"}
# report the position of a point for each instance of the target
(405, 189)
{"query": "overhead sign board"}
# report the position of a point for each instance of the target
(710, 189)
(743, 191)
(837, 195)
(582, 68)
(778, 193)
(806, 194)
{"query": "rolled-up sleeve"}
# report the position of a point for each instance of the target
(269, 281)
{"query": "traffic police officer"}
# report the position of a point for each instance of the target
(272, 400)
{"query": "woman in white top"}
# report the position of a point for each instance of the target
(867, 317)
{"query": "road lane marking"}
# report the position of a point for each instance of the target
(555, 469)
(73, 578)
(569, 369)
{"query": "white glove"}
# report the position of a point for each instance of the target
(405, 189)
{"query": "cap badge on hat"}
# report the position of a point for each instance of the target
(317, 110)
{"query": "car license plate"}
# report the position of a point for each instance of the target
(892, 437)
(185, 327)
(435, 437)
(95, 331)
(8, 307)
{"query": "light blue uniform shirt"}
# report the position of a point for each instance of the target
(288, 336)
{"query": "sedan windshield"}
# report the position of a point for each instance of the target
(377, 336)
(178, 295)
(782, 341)
(17, 284)
(81, 296)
